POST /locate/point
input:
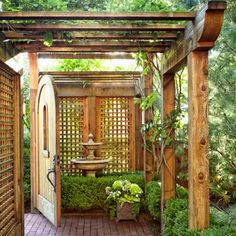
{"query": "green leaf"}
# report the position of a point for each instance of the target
(48, 39)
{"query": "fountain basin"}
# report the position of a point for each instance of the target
(90, 166)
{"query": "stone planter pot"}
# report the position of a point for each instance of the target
(124, 212)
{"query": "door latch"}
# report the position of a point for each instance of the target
(50, 171)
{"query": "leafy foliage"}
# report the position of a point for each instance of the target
(176, 221)
(84, 193)
(153, 199)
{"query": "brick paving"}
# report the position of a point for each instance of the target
(36, 224)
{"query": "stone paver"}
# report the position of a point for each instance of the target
(36, 224)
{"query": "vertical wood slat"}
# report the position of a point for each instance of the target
(33, 84)
(11, 185)
(198, 165)
(18, 162)
(132, 157)
(58, 166)
(138, 138)
(168, 170)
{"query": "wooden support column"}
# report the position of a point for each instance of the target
(138, 138)
(198, 168)
(148, 157)
(168, 170)
(92, 116)
(33, 74)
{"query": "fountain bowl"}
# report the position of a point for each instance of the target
(90, 166)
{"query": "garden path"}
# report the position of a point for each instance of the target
(36, 224)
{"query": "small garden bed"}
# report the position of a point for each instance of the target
(83, 194)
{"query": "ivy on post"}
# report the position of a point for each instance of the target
(148, 89)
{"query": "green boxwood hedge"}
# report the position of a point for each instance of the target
(153, 199)
(86, 193)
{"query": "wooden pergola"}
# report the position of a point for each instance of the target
(182, 38)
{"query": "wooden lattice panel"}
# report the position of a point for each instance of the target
(7, 155)
(71, 118)
(114, 130)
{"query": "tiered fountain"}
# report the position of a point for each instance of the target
(91, 164)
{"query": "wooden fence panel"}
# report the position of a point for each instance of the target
(11, 205)
(71, 119)
(115, 129)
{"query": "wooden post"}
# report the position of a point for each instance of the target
(198, 169)
(148, 157)
(33, 74)
(168, 169)
(138, 138)
(92, 114)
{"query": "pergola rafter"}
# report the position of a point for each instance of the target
(81, 35)
(183, 43)
(144, 16)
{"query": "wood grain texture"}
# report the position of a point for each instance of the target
(33, 84)
(91, 35)
(200, 34)
(80, 15)
(93, 27)
(148, 157)
(168, 182)
(198, 165)
(11, 168)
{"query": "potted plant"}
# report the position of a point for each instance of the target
(124, 199)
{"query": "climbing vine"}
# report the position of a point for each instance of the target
(157, 131)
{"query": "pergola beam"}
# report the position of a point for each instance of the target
(93, 74)
(199, 35)
(49, 55)
(31, 48)
(96, 43)
(81, 35)
(92, 27)
(49, 15)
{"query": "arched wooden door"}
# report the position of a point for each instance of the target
(47, 166)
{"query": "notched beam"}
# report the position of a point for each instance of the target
(199, 35)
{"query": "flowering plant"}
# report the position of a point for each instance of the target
(123, 191)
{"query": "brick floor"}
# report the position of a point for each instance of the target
(36, 224)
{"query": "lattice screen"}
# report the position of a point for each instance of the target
(71, 118)
(7, 207)
(114, 129)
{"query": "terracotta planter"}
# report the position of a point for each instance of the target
(124, 212)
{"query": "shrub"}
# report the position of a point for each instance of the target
(85, 193)
(176, 221)
(153, 199)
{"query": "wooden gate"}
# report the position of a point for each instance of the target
(11, 191)
(47, 166)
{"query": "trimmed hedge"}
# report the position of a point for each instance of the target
(86, 193)
(153, 199)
